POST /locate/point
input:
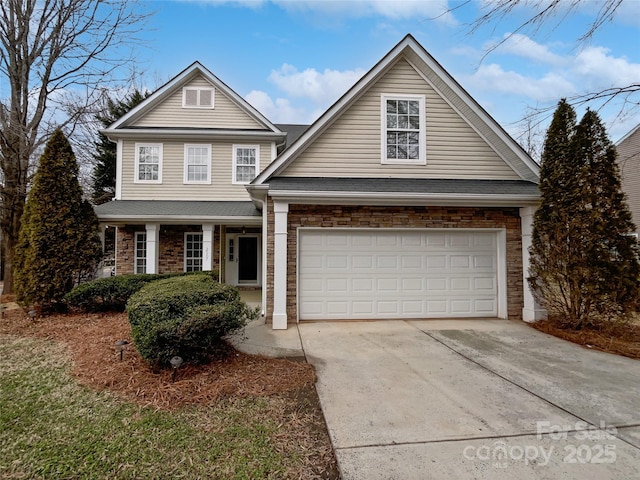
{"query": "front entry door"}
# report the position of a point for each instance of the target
(247, 260)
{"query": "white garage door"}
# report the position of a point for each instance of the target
(369, 274)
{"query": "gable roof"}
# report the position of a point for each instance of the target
(443, 83)
(177, 82)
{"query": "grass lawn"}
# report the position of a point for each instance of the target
(56, 422)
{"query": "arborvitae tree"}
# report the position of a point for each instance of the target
(104, 173)
(59, 242)
(611, 252)
(580, 232)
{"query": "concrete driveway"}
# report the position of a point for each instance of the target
(473, 399)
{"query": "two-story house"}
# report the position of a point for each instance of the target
(405, 199)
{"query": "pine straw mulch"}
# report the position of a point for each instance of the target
(618, 338)
(91, 340)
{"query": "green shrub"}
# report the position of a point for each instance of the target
(113, 293)
(185, 316)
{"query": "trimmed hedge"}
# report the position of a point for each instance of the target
(113, 293)
(185, 316)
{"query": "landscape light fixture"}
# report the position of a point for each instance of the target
(175, 363)
(121, 346)
(32, 314)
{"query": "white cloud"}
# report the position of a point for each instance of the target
(494, 78)
(598, 68)
(555, 75)
(523, 46)
(279, 110)
(322, 88)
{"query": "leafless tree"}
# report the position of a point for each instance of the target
(549, 15)
(530, 135)
(57, 57)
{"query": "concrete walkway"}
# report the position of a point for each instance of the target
(473, 399)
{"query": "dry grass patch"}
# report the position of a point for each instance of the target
(620, 338)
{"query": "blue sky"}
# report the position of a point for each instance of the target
(292, 59)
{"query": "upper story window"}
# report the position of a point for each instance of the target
(403, 129)
(197, 163)
(245, 163)
(195, 97)
(148, 163)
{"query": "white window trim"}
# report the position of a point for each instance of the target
(136, 178)
(199, 89)
(235, 169)
(135, 252)
(186, 165)
(422, 134)
(185, 249)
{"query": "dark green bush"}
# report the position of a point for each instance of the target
(185, 316)
(113, 293)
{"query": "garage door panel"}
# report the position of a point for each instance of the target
(372, 273)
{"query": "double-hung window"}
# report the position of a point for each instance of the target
(192, 252)
(403, 129)
(197, 163)
(246, 162)
(140, 252)
(197, 97)
(148, 163)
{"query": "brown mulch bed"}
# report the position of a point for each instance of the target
(91, 340)
(619, 338)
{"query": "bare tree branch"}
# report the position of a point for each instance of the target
(53, 54)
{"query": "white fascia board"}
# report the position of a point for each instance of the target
(433, 64)
(329, 115)
(392, 199)
(189, 134)
(180, 219)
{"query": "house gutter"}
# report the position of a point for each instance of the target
(395, 198)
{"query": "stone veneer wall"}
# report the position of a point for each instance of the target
(171, 250)
(397, 217)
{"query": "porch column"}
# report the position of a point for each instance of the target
(532, 311)
(153, 243)
(280, 210)
(207, 246)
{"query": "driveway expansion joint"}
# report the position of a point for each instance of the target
(484, 367)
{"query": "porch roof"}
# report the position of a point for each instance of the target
(406, 185)
(178, 211)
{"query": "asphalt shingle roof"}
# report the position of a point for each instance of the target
(405, 185)
(176, 208)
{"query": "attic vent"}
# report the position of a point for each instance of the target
(197, 97)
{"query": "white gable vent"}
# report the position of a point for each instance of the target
(197, 97)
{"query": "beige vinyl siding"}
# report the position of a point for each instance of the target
(225, 114)
(629, 161)
(173, 186)
(350, 147)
